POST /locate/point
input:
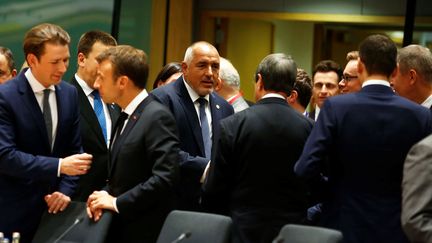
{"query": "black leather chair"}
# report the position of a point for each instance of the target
(292, 233)
(72, 225)
(194, 227)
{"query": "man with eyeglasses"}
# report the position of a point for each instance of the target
(350, 81)
(7, 65)
(326, 76)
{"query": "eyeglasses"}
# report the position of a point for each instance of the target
(348, 78)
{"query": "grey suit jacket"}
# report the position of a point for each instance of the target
(417, 192)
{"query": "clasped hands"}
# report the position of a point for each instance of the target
(97, 202)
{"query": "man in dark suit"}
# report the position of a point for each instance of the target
(414, 78)
(39, 130)
(251, 176)
(144, 152)
(360, 134)
(182, 97)
(97, 118)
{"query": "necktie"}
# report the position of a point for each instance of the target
(47, 114)
(119, 127)
(205, 129)
(98, 108)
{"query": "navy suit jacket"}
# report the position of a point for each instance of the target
(93, 143)
(142, 174)
(28, 167)
(366, 136)
(192, 155)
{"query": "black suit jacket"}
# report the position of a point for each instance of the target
(251, 174)
(94, 144)
(143, 171)
(192, 161)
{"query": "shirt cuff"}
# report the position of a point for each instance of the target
(115, 204)
(59, 167)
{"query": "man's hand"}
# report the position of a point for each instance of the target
(56, 202)
(77, 164)
(98, 201)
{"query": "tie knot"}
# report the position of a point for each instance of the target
(95, 94)
(46, 91)
(202, 101)
(123, 116)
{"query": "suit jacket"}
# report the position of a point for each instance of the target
(192, 155)
(93, 143)
(366, 136)
(252, 171)
(417, 191)
(143, 172)
(28, 167)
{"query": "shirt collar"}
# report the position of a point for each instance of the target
(192, 94)
(87, 89)
(374, 82)
(35, 85)
(273, 95)
(135, 102)
(428, 102)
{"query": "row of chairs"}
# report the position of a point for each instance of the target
(73, 225)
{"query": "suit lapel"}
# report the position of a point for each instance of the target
(29, 99)
(188, 106)
(216, 115)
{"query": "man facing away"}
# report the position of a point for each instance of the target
(197, 110)
(228, 86)
(251, 176)
(360, 134)
(97, 118)
(40, 139)
(143, 167)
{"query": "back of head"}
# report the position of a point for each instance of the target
(378, 54)
(9, 57)
(229, 74)
(278, 72)
(128, 61)
(303, 86)
(88, 39)
(36, 37)
(418, 58)
(326, 66)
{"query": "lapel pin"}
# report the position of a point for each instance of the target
(134, 117)
(217, 106)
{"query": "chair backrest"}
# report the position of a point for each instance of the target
(72, 225)
(292, 233)
(191, 227)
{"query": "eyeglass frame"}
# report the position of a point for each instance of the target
(348, 78)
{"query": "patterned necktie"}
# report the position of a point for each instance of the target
(205, 129)
(47, 114)
(98, 108)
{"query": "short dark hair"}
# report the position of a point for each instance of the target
(36, 37)
(167, 71)
(326, 66)
(128, 61)
(303, 86)
(278, 72)
(88, 39)
(378, 53)
(9, 57)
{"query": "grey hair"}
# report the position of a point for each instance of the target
(190, 51)
(416, 57)
(228, 73)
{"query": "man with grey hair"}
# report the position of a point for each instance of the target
(260, 199)
(197, 110)
(228, 85)
(414, 78)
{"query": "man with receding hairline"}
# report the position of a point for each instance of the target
(7, 65)
(197, 110)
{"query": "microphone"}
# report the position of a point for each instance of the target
(183, 236)
(77, 221)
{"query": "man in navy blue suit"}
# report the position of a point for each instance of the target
(39, 131)
(200, 73)
(361, 135)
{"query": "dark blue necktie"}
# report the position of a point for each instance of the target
(205, 128)
(98, 108)
(47, 114)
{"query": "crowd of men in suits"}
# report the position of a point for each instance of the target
(359, 162)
